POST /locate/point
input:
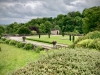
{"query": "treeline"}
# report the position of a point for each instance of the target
(88, 20)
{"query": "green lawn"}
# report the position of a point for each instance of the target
(12, 58)
(58, 38)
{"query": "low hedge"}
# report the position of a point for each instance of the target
(28, 46)
(20, 45)
(39, 40)
(12, 42)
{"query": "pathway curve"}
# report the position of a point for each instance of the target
(45, 45)
(33, 42)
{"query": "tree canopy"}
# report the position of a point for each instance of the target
(88, 20)
(91, 20)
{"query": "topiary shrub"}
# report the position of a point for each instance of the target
(28, 46)
(20, 45)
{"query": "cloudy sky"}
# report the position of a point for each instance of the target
(22, 11)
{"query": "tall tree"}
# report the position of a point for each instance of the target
(91, 20)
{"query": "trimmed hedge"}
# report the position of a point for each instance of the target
(28, 46)
(12, 42)
(7, 41)
(39, 40)
(20, 45)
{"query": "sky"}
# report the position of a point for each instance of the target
(22, 11)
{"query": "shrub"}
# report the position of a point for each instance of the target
(97, 44)
(84, 43)
(20, 44)
(7, 41)
(68, 62)
(90, 40)
(38, 49)
(3, 39)
(92, 35)
(12, 42)
(28, 46)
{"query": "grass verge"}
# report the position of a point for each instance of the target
(12, 58)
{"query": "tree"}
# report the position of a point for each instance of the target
(24, 30)
(1, 30)
(57, 27)
(48, 27)
(91, 20)
(42, 27)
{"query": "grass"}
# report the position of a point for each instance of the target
(12, 58)
(58, 38)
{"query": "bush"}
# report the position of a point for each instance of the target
(38, 49)
(92, 35)
(84, 43)
(90, 40)
(97, 44)
(3, 39)
(20, 44)
(68, 62)
(7, 41)
(12, 42)
(28, 46)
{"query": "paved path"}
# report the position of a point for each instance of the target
(45, 45)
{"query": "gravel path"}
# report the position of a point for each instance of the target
(45, 45)
(33, 42)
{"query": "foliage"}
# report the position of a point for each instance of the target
(1, 30)
(90, 40)
(68, 62)
(20, 45)
(92, 35)
(12, 42)
(44, 25)
(7, 41)
(34, 28)
(38, 49)
(28, 46)
(23, 30)
(91, 20)
(33, 32)
(3, 39)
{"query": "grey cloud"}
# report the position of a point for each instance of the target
(25, 10)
